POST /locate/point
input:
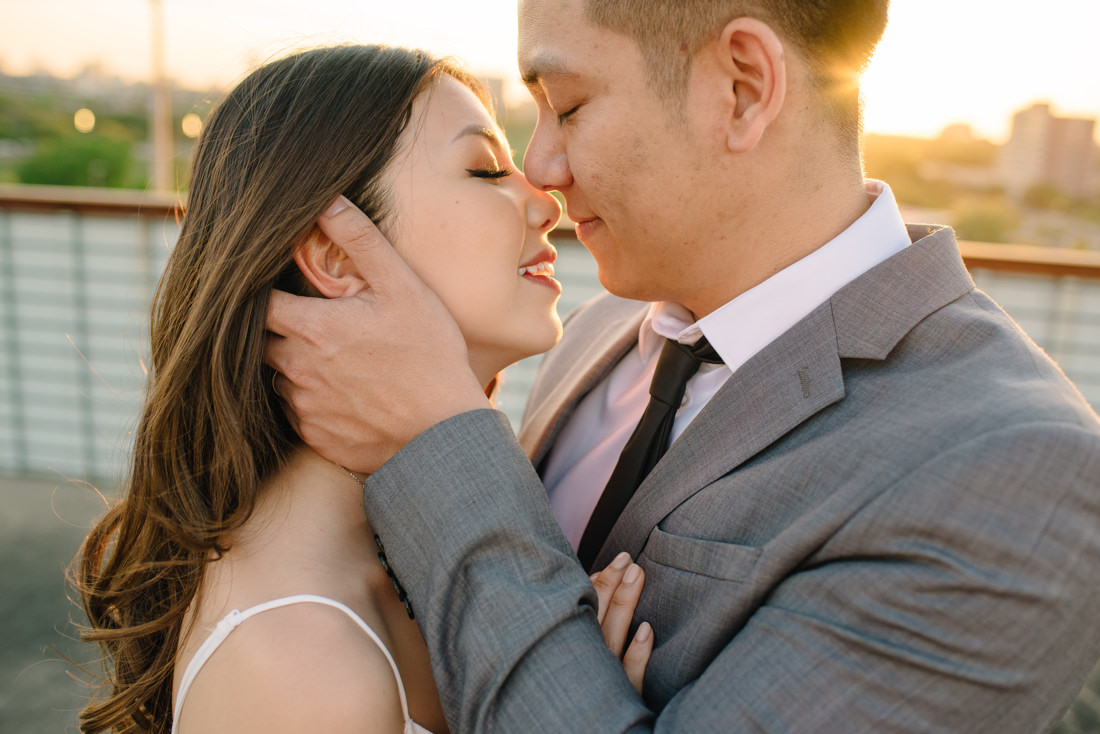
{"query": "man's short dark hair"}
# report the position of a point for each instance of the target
(835, 37)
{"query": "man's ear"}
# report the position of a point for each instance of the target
(753, 61)
(327, 266)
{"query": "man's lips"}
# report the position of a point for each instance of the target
(586, 226)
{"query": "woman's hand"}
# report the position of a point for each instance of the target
(619, 586)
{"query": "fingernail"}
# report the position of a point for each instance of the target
(632, 574)
(593, 577)
(621, 561)
(644, 631)
(337, 206)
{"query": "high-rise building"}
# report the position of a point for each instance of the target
(1052, 151)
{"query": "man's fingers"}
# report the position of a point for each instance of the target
(370, 251)
(277, 352)
(284, 312)
(637, 655)
(282, 387)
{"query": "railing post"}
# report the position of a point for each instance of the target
(1061, 324)
(10, 343)
(81, 338)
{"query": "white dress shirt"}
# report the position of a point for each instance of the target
(586, 451)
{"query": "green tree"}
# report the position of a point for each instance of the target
(1045, 196)
(985, 221)
(31, 118)
(897, 160)
(79, 160)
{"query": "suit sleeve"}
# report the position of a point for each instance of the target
(504, 607)
(960, 599)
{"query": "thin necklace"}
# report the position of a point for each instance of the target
(361, 482)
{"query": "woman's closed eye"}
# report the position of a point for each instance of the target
(489, 173)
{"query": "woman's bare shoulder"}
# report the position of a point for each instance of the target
(303, 667)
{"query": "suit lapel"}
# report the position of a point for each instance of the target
(582, 372)
(795, 377)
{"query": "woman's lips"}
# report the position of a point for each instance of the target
(541, 272)
(541, 268)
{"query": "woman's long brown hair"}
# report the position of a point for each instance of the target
(287, 141)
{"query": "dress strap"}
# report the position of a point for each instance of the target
(230, 622)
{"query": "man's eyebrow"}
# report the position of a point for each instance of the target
(540, 67)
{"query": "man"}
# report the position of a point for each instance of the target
(879, 512)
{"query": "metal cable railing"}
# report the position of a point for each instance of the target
(78, 268)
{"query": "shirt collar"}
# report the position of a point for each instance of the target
(742, 327)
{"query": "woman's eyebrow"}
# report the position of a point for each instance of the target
(487, 133)
(476, 129)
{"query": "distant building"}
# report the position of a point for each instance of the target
(1049, 150)
(969, 176)
(958, 132)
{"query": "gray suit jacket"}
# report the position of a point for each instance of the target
(888, 520)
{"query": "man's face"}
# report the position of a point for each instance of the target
(631, 170)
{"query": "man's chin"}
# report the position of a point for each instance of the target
(619, 283)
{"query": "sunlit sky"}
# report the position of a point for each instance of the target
(941, 61)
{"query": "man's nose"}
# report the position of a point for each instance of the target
(545, 163)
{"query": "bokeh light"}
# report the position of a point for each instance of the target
(84, 120)
(192, 125)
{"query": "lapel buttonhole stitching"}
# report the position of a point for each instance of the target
(804, 381)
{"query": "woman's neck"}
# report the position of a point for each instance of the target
(309, 534)
(485, 368)
(311, 510)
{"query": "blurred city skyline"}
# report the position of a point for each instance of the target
(941, 61)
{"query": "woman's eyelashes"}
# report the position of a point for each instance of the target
(495, 172)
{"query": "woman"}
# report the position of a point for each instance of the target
(225, 510)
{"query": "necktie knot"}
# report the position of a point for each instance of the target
(676, 365)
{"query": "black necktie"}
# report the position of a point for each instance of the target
(677, 363)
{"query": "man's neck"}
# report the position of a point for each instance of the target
(770, 233)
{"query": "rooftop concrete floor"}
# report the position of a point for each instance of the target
(41, 524)
(42, 521)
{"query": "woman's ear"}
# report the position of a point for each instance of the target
(327, 266)
(754, 63)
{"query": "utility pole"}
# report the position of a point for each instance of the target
(161, 119)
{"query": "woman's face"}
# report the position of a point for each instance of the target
(473, 229)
